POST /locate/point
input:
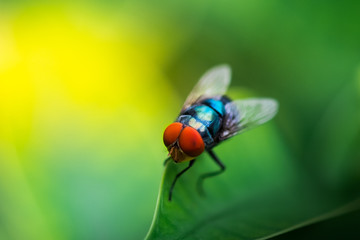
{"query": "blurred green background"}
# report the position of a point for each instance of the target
(87, 88)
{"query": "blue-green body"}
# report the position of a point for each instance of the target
(206, 116)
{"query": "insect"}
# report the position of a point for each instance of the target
(208, 117)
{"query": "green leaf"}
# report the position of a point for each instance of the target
(264, 192)
(336, 139)
(345, 226)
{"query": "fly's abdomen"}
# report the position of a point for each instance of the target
(217, 105)
(206, 118)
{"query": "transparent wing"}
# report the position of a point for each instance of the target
(242, 115)
(213, 83)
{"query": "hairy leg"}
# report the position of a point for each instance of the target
(177, 176)
(211, 174)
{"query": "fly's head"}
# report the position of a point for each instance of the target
(184, 143)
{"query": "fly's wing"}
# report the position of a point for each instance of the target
(242, 115)
(213, 83)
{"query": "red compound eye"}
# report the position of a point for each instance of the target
(171, 133)
(191, 142)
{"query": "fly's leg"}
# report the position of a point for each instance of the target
(211, 174)
(177, 176)
(166, 161)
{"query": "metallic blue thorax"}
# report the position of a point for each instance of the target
(206, 117)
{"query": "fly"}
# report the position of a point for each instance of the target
(209, 117)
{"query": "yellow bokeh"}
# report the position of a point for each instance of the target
(81, 91)
(56, 59)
